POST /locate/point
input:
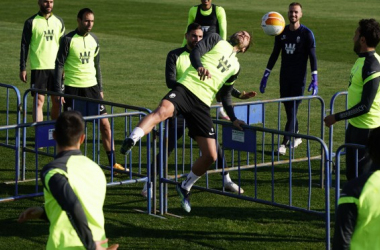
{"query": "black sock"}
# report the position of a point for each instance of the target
(111, 157)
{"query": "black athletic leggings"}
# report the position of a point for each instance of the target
(357, 136)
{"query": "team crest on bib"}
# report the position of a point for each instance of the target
(172, 95)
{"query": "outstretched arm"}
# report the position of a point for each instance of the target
(242, 95)
(225, 95)
(363, 107)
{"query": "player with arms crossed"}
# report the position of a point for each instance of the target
(214, 67)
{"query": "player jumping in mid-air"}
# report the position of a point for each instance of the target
(192, 97)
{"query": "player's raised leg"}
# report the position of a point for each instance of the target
(161, 113)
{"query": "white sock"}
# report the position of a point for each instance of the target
(145, 188)
(190, 180)
(227, 178)
(136, 134)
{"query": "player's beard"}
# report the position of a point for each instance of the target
(357, 46)
(193, 44)
(293, 21)
(45, 10)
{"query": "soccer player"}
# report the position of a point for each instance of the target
(40, 38)
(214, 67)
(79, 57)
(177, 61)
(358, 215)
(213, 19)
(363, 112)
(296, 44)
(74, 192)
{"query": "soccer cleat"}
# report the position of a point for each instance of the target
(118, 167)
(233, 187)
(282, 149)
(127, 146)
(185, 198)
(222, 114)
(296, 142)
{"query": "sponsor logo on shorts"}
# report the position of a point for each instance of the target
(101, 108)
(172, 95)
(212, 132)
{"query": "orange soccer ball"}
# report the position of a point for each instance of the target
(273, 23)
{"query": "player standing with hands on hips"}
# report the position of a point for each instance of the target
(296, 44)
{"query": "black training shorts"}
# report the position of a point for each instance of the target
(196, 113)
(90, 92)
(42, 79)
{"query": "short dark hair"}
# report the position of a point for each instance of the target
(69, 127)
(295, 4)
(370, 30)
(83, 11)
(193, 26)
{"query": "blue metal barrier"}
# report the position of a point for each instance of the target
(333, 103)
(250, 133)
(12, 104)
(255, 112)
(340, 152)
(87, 107)
(42, 138)
(131, 177)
